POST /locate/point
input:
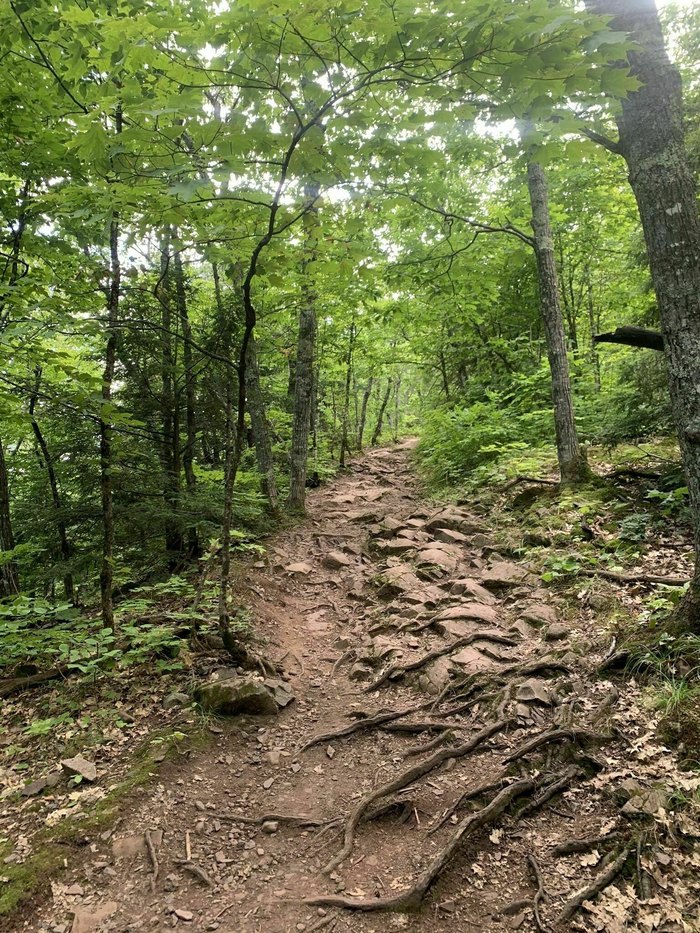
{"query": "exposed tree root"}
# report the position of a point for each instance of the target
(599, 883)
(290, 819)
(555, 735)
(583, 845)
(398, 670)
(429, 746)
(16, 684)
(412, 897)
(365, 722)
(560, 783)
(539, 894)
(528, 479)
(407, 777)
(631, 578)
(464, 796)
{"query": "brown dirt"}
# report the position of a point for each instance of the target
(256, 765)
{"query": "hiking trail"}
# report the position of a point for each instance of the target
(452, 755)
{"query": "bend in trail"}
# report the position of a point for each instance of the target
(448, 758)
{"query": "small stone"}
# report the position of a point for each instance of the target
(86, 920)
(534, 691)
(183, 914)
(556, 632)
(335, 560)
(176, 699)
(75, 890)
(80, 766)
(300, 568)
(270, 827)
(330, 751)
(36, 787)
(268, 783)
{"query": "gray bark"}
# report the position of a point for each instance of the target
(261, 430)
(651, 140)
(573, 467)
(380, 417)
(304, 372)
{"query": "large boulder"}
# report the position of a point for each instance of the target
(231, 696)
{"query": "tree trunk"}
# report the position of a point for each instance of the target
(304, 371)
(651, 139)
(169, 442)
(47, 460)
(397, 412)
(573, 467)
(9, 576)
(190, 392)
(261, 429)
(363, 413)
(380, 417)
(106, 429)
(346, 396)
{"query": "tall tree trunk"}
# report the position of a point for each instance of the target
(48, 462)
(363, 413)
(304, 372)
(593, 328)
(170, 441)
(106, 429)
(188, 451)
(651, 140)
(573, 467)
(397, 400)
(380, 417)
(9, 575)
(346, 397)
(261, 429)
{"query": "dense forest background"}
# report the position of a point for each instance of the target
(239, 244)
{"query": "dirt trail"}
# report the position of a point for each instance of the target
(374, 578)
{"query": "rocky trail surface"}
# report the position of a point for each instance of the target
(452, 760)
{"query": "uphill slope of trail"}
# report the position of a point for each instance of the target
(453, 760)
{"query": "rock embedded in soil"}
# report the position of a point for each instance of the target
(80, 766)
(241, 695)
(41, 784)
(336, 560)
(503, 573)
(176, 699)
(539, 614)
(534, 691)
(556, 632)
(85, 920)
(475, 611)
(474, 589)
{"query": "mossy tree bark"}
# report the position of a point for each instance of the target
(652, 142)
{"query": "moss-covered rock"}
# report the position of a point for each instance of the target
(235, 696)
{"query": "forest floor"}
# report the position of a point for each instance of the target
(510, 785)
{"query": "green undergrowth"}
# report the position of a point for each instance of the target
(53, 845)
